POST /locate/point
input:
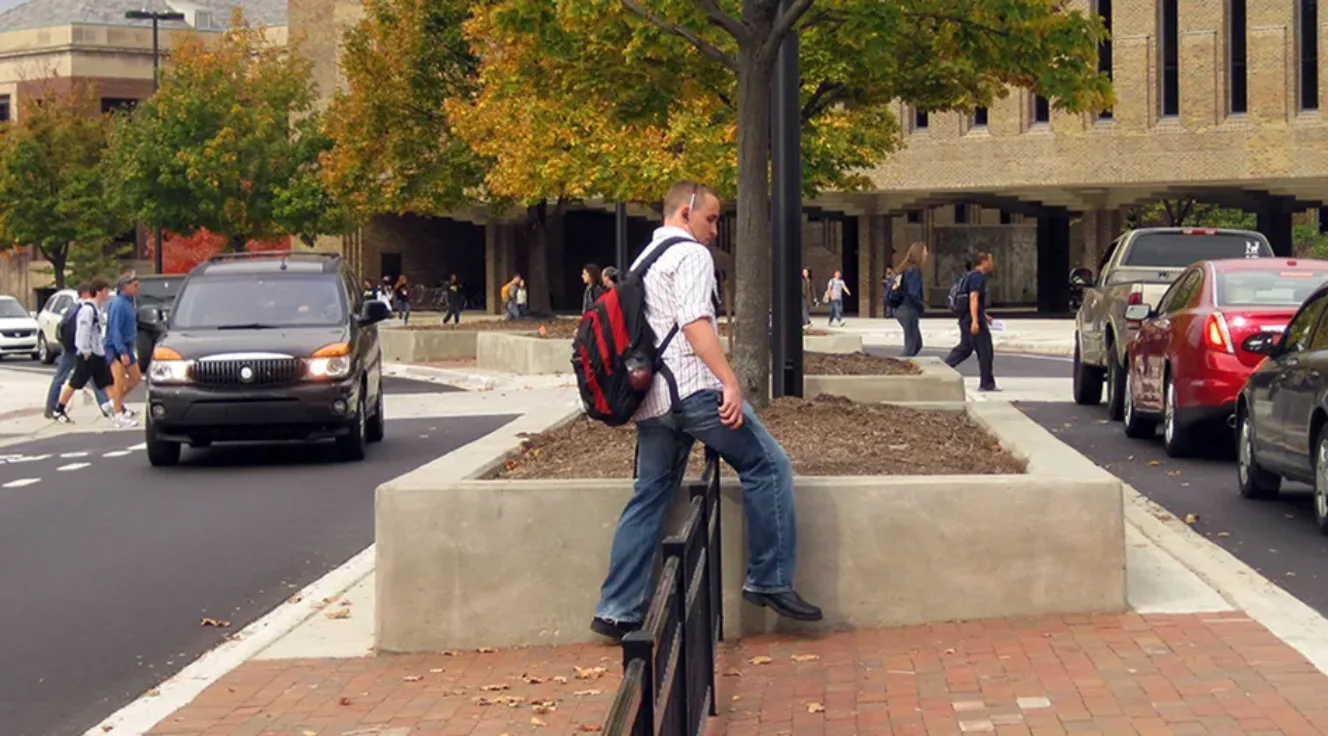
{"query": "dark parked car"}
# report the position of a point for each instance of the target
(157, 291)
(1283, 409)
(267, 346)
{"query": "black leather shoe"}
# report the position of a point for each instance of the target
(611, 629)
(789, 605)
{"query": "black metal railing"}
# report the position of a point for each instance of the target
(668, 686)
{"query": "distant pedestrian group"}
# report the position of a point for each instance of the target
(97, 337)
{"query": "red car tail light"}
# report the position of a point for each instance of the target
(1217, 336)
(1135, 297)
(1198, 231)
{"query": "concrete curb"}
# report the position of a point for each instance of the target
(1283, 614)
(459, 379)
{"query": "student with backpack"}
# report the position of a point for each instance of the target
(649, 352)
(968, 302)
(65, 365)
(88, 349)
(905, 297)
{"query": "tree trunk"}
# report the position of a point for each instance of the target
(236, 243)
(58, 267)
(751, 248)
(537, 281)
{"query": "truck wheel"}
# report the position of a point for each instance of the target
(1087, 381)
(1115, 387)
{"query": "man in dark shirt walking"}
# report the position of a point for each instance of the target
(975, 324)
(454, 300)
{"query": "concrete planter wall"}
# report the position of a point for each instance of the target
(522, 353)
(938, 382)
(426, 346)
(836, 343)
(509, 563)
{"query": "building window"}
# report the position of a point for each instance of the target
(961, 214)
(117, 104)
(1309, 54)
(920, 120)
(1237, 54)
(5, 115)
(1041, 110)
(980, 117)
(203, 20)
(1005, 218)
(913, 217)
(1104, 48)
(1169, 54)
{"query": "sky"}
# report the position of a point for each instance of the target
(7, 4)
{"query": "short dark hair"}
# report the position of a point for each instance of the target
(981, 257)
(685, 192)
(83, 288)
(98, 284)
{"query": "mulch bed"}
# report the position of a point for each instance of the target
(825, 436)
(556, 328)
(855, 364)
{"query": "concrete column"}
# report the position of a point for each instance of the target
(1100, 228)
(1053, 267)
(872, 259)
(493, 267)
(1276, 226)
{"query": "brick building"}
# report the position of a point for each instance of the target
(55, 43)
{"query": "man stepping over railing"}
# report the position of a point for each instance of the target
(679, 392)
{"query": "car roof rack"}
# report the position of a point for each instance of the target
(285, 254)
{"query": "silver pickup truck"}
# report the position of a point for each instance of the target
(1138, 268)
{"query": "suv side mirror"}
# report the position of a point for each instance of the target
(1262, 343)
(149, 316)
(1138, 312)
(1081, 277)
(374, 312)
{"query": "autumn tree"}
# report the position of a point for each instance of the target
(702, 70)
(54, 191)
(230, 143)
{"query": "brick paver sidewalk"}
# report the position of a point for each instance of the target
(1196, 674)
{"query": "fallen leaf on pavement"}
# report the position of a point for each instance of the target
(1224, 534)
(543, 706)
(307, 732)
(949, 651)
(344, 701)
(560, 679)
(218, 623)
(537, 721)
(451, 653)
(1191, 518)
(806, 657)
(1154, 463)
(733, 672)
(584, 693)
(511, 701)
(589, 673)
(412, 678)
(486, 650)
(338, 614)
(295, 599)
(815, 708)
(345, 602)
(495, 688)
(154, 692)
(589, 727)
(760, 660)
(532, 679)
(481, 701)
(436, 670)
(107, 729)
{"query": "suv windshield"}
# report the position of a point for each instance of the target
(256, 301)
(158, 292)
(11, 308)
(1283, 288)
(1178, 250)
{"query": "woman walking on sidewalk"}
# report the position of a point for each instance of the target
(906, 289)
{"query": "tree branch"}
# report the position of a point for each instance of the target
(732, 25)
(701, 44)
(783, 24)
(826, 94)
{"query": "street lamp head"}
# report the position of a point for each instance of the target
(153, 15)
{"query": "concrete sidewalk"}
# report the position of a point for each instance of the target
(1035, 336)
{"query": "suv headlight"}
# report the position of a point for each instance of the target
(330, 361)
(168, 366)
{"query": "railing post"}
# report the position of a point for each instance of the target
(639, 645)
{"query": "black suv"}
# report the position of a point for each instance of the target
(157, 291)
(266, 346)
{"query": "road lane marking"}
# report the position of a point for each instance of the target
(139, 446)
(28, 458)
(116, 453)
(73, 454)
(74, 466)
(21, 482)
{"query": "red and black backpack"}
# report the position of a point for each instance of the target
(614, 355)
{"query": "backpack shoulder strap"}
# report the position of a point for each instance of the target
(643, 266)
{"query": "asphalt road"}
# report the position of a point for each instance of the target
(106, 570)
(1277, 538)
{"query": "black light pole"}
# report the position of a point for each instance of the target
(620, 253)
(786, 221)
(156, 17)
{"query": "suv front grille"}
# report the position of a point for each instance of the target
(261, 372)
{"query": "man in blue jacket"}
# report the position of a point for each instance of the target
(121, 334)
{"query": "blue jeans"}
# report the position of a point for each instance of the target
(908, 316)
(836, 310)
(63, 368)
(767, 501)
